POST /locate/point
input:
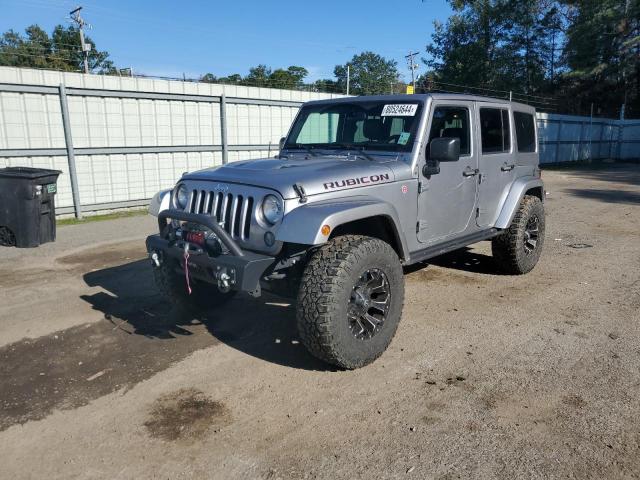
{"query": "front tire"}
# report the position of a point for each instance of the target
(518, 249)
(173, 286)
(350, 300)
(7, 238)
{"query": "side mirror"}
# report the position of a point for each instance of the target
(440, 150)
(444, 149)
(281, 143)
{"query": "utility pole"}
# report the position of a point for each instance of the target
(413, 67)
(348, 77)
(86, 47)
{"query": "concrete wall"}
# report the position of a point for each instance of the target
(132, 137)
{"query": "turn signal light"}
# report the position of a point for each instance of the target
(325, 230)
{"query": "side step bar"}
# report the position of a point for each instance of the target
(455, 244)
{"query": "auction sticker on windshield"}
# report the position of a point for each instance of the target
(399, 110)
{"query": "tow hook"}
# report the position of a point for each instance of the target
(155, 258)
(225, 280)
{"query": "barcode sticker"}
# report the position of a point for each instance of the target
(399, 110)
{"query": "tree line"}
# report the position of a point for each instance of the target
(59, 51)
(580, 52)
(567, 56)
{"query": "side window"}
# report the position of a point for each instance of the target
(525, 132)
(452, 122)
(494, 130)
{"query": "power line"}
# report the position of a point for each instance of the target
(42, 56)
(488, 89)
(500, 93)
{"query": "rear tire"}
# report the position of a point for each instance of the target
(518, 249)
(174, 287)
(350, 300)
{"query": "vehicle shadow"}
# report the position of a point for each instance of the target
(264, 328)
(464, 259)
(608, 196)
(619, 172)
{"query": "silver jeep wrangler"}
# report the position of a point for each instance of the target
(361, 187)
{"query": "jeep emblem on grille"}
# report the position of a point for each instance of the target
(221, 187)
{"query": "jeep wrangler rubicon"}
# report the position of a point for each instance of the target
(361, 187)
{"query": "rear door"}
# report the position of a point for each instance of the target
(497, 160)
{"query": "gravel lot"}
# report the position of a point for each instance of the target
(489, 376)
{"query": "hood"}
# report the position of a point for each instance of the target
(316, 174)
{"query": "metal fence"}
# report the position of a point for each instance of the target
(119, 140)
(568, 138)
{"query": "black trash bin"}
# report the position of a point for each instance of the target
(27, 206)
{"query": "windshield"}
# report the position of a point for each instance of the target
(379, 125)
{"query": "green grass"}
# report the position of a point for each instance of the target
(98, 218)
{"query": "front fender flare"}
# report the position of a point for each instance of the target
(303, 224)
(512, 202)
(160, 202)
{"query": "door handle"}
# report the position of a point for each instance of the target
(507, 168)
(470, 172)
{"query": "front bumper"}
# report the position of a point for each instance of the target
(241, 269)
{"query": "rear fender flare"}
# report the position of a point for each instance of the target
(511, 204)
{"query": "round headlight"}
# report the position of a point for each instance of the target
(272, 209)
(181, 197)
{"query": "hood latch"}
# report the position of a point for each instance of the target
(300, 191)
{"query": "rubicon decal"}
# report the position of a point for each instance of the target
(350, 182)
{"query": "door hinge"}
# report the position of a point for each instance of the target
(478, 212)
(421, 225)
(419, 188)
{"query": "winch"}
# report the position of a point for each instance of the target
(206, 240)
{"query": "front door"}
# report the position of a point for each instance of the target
(497, 161)
(446, 203)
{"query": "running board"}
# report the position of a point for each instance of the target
(449, 246)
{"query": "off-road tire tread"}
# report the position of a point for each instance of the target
(505, 248)
(326, 273)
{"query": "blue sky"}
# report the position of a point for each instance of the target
(169, 38)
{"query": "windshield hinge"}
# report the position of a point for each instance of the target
(300, 191)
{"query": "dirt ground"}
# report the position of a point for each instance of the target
(489, 376)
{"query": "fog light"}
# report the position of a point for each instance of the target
(269, 239)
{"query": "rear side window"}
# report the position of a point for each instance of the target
(452, 122)
(494, 130)
(525, 132)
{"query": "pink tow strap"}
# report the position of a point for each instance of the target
(186, 266)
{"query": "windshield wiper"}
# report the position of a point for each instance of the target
(305, 147)
(360, 150)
